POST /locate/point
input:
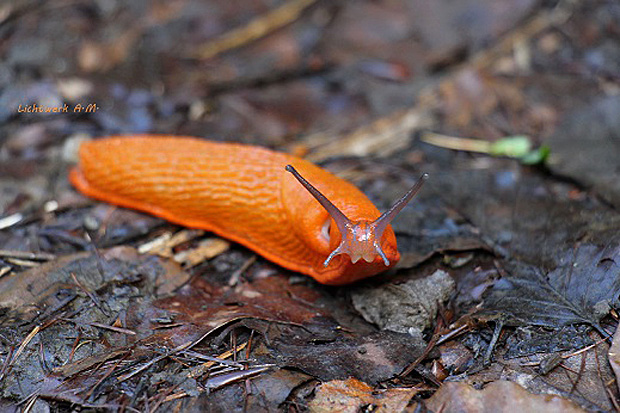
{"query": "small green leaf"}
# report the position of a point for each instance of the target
(512, 146)
(537, 156)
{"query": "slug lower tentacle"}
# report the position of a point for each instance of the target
(244, 193)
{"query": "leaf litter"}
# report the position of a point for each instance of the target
(499, 396)
(95, 331)
(158, 321)
(583, 288)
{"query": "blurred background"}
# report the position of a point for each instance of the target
(318, 78)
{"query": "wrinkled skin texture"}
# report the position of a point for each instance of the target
(240, 192)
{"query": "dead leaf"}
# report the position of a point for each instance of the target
(352, 395)
(499, 396)
(405, 308)
(202, 304)
(51, 284)
(373, 357)
(582, 376)
(582, 289)
(614, 356)
(267, 392)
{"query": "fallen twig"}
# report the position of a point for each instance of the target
(255, 29)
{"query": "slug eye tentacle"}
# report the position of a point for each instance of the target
(360, 239)
(382, 222)
(340, 219)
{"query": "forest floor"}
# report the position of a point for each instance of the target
(506, 293)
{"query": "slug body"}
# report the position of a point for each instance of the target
(240, 192)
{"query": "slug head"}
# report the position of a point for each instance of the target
(359, 239)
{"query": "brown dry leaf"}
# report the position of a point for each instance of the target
(267, 298)
(352, 395)
(614, 356)
(498, 396)
(584, 375)
(202, 306)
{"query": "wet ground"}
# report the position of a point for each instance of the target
(509, 280)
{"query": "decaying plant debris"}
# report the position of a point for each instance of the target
(106, 308)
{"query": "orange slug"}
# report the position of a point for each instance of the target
(244, 193)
